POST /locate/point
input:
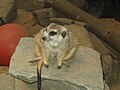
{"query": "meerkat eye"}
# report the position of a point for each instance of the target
(64, 34)
(52, 33)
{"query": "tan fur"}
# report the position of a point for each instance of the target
(46, 50)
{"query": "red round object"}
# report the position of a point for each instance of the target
(10, 35)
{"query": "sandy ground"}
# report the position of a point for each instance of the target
(3, 69)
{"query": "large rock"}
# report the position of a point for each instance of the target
(7, 82)
(8, 10)
(84, 73)
(107, 65)
(106, 87)
(42, 16)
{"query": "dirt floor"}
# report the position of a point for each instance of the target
(3, 69)
(25, 18)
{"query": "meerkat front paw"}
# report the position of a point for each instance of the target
(46, 65)
(59, 66)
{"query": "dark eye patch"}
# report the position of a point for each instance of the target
(64, 34)
(52, 33)
(43, 38)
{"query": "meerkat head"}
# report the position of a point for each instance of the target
(56, 34)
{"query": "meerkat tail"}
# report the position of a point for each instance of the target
(70, 54)
(39, 67)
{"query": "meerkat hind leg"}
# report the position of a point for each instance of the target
(43, 61)
(64, 57)
(60, 57)
(45, 57)
(70, 54)
(37, 53)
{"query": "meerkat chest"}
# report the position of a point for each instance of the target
(54, 48)
(53, 53)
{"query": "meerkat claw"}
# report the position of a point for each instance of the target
(59, 66)
(66, 65)
(46, 65)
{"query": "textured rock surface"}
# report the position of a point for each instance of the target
(7, 82)
(30, 4)
(8, 10)
(107, 63)
(19, 65)
(84, 73)
(106, 87)
(42, 16)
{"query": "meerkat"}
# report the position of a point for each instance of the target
(53, 42)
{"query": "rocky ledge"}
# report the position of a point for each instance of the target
(84, 72)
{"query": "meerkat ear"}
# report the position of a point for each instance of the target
(44, 29)
(51, 25)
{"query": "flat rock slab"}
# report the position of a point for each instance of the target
(7, 82)
(84, 73)
(8, 10)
